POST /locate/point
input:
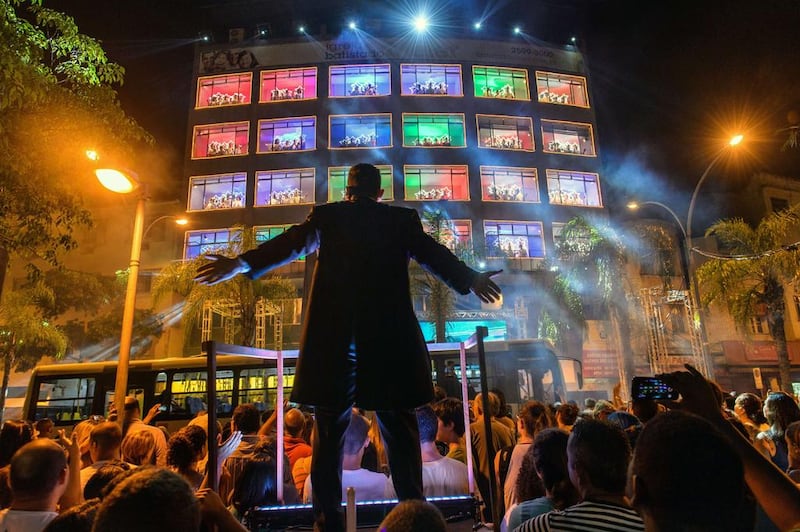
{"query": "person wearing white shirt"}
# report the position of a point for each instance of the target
(441, 476)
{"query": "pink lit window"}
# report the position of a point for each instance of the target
(456, 235)
(220, 140)
(288, 85)
(503, 183)
(219, 91)
(569, 138)
(561, 89)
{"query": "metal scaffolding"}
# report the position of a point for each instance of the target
(266, 313)
(661, 335)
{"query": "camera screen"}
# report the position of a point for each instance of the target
(652, 388)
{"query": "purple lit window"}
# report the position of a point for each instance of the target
(513, 239)
(359, 81)
(287, 134)
(431, 80)
(360, 131)
(285, 187)
(202, 242)
(226, 191)
(566, 187)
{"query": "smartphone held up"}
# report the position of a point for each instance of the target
(652, 388)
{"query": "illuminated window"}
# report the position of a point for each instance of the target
(287, 134)
(284, 187)
(209, 241)
(573, 188)
(220, 140)
(513, 239)
(503, 183)
(433, 130)
(498, 82)
(360, 131)
(356, 81)
(433, 183)
(291, 84)
(571, 138)
(225, 191)
(561, 89)
(217, 91)
(337, 181)
(189, 392)
(454, 234)
(268, 232)
(431, 80)
(505, 132)
(558, 228)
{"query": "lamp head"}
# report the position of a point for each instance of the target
(117, 180)
(736, 140)
(632, 205)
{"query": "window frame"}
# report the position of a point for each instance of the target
(444, 66)
(241, 75)
(581, 81)
(286, 119)
(435, 166)
(330, 136)
(522, 177)
(331, 72)
(197, 129)
(232, 235)
(463, 126)
(527, 119)
(261, 90)
(558, 172)
(466, 242)
(515, 222)
(501, 68)
(587, 125)
(300, 179)
(194, 179)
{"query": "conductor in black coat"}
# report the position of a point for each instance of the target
(361, 341)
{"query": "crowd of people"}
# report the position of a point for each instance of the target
(716, 462)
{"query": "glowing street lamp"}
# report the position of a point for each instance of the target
(421, 23)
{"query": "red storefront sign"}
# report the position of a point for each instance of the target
(600, 364)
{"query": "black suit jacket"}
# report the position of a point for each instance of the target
(360, 294)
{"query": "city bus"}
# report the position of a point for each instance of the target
(70, 393)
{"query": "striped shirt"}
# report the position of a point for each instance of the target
(588, 515)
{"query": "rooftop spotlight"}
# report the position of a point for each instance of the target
(572, 39)
(301, 29)
(262, 31)
(477, 25)
(352, 25)
(420, 23)
(204, 36)
(517, 30)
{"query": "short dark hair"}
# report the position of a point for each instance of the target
(149, 499)
(14, 434)
(428, 423)
(355, 435)
(693, 478)
(246, 418)
(36, 468)
(414, 515)
(752, 406)
(451, 410)
(601, 450)
(363, 180)
(102, 477)
(185, 446)
(256, 485)
(78, 518)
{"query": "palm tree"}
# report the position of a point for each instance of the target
(752, 284)
(561, 315)
(240, 292)
(25, 334)
(585, 246)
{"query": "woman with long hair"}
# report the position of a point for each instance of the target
(748, 410)
(184, 450)
(781, 410)
(548, 455)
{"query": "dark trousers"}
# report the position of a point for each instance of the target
(401, 437)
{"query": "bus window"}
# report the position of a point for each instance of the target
(136, 393)
(259, 386)
(66, 399)
(189, 392)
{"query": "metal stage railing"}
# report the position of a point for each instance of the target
(287, 515)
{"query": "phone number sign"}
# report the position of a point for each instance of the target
(600, 364)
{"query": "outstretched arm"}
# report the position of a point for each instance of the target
(220, 269)
(774, 491)
(486, 289)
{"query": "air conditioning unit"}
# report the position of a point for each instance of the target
(235, 35)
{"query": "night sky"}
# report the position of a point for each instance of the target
(670, 80)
